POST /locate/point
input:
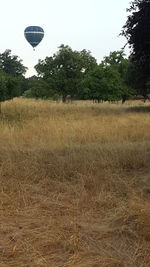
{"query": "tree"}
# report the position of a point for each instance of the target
(40, 88)
(103, 83)
(11, 75)
(9, 87)
(137, 32)
(3, 87)
(64, 70)
(76, 73)
(11, 65)
(87, 60)
(118, 60)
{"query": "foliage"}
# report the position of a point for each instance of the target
(109, 80)
(136, 30)
(39, 88)
(28, 94)
(11, 65)
(77, 74)
(11, 75)
(9, 87)
(63, 72)
(104, 83)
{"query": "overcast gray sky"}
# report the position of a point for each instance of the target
(82, 24)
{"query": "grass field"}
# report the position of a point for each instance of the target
(74, 184)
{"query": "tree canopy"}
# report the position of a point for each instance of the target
(64, 70)
(77, 73)
(11, 75)
(137, 32)
(11, 64)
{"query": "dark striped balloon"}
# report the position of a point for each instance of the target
(34, 35)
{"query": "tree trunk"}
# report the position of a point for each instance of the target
(124, 98)
(64, 98)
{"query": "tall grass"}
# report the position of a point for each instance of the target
(74, 184)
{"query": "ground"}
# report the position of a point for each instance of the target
(74, 184)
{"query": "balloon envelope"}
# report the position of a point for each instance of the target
(34, 35)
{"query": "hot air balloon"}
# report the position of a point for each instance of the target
(34, 35)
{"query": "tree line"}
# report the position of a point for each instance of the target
(78, 75)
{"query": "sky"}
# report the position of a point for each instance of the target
(82, 24)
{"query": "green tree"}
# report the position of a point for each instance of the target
(3, 87)
(103, 83)
(65, 69)
(120, 63)
(11, 64)
(11, 75)
(137, 32)
(40, 88)
(9, 87)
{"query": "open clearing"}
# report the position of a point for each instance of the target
(74, 184)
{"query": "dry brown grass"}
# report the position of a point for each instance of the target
(74, 184)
